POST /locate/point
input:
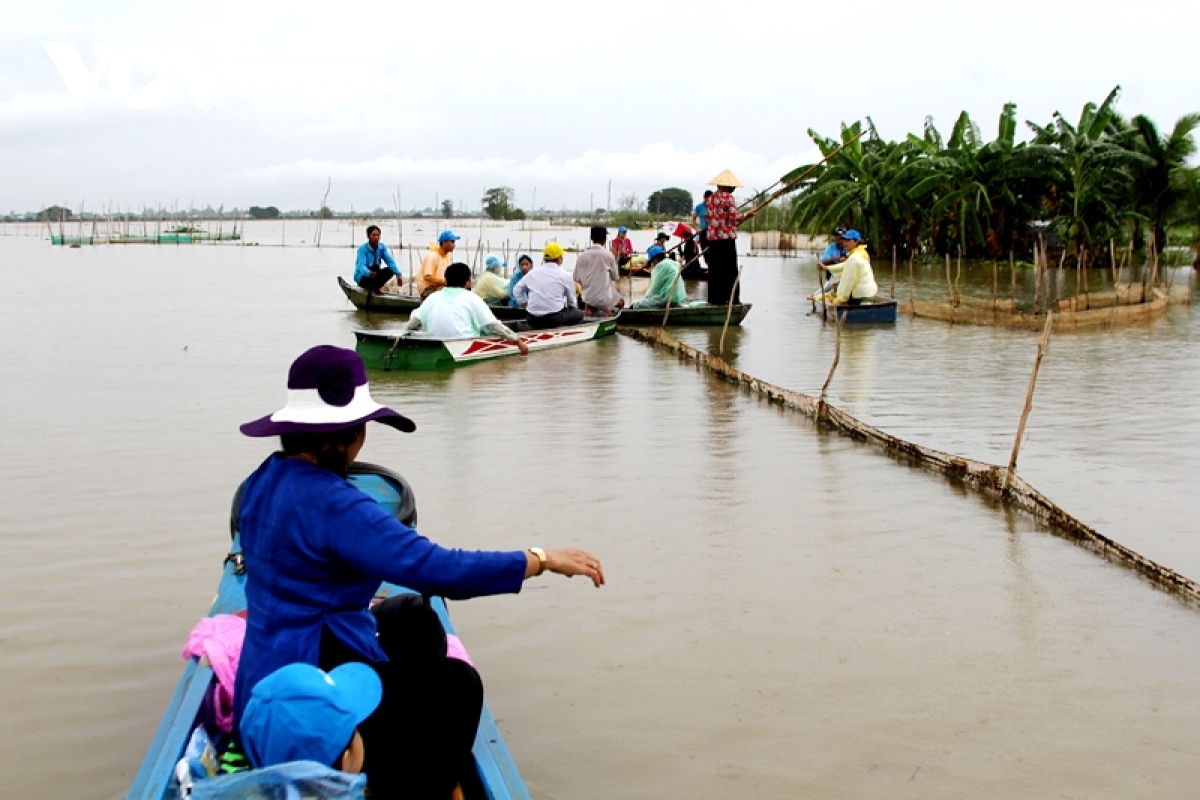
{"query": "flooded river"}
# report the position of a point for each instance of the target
(789, 613)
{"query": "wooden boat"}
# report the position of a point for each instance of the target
(497, 776)
(878, 311)
(405, 304)
(391, 350)
(685, 315)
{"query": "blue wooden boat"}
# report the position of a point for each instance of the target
(498, 776)
(877, 311)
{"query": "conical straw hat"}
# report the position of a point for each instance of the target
(726, 178)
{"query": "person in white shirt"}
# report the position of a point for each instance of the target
(547, 292)
(458, 313)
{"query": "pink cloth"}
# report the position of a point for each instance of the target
(455, 649)
(220, 639)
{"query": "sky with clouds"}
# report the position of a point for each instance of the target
(261, 102)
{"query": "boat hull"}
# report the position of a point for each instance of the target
(880, 312)
(389, 350)
(686, 315)
(403, 304)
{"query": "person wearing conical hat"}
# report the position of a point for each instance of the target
(723, 218)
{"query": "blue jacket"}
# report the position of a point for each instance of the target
(369, 259)
(316, 550)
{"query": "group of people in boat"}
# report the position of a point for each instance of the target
(327, 673)
(846, 266)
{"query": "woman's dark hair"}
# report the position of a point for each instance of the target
(328, 448)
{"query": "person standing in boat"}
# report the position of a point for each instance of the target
(723, 219)
(374, 266)
(316, 550)
(664, 281)
(455, 312)
(596, 271)
(547, 293)
(433, 265)
(524, 264)
(622, 247)
(857, 282)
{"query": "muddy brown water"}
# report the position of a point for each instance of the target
(789, 613)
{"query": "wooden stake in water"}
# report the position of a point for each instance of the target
(1037, 363)
(837, 354)
(729, 311)
(893, 272)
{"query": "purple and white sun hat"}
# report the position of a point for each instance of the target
(327, 391)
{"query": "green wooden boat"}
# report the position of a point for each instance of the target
(406, 304)
(395, 350)
(685, 315)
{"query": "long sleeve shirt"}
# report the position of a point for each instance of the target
(369, 258)
(316, 550)
(858, 279)
(664, 284)
(455, 313)
(433, 268)
(546, 289)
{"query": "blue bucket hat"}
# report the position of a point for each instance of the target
(852, 234)
(622, 229)
(447, 236)
(301, 713)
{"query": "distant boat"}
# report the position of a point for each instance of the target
(407, 303)
(497, 776)
(393, 350)
(879, 311)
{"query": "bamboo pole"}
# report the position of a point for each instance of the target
(321, 210)
(1012, 273)
(771, 199)
(837, 355)
(412, 292)
(995, 286)
(1037, 363)
(949, 280)
(893, 272)
(674, 283)
(729, 311)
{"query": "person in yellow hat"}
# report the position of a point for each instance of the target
(722, 219)
(547, 292)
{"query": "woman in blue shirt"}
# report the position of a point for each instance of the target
(316, 550)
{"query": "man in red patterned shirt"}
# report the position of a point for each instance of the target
(723, 218)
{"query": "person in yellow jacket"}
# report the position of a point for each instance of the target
(857, 284)
(433, 266)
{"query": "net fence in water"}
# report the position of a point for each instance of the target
(986, 478)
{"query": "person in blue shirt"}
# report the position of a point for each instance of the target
(316, 551)
(833, 253)
(524, 264)
(700, 219)
(369, 267)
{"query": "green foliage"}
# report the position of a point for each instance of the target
(270, 212)
(670, 202)
(54, 214)
(498, 204)
(325, 213)
(447, 208)
(1090, 180)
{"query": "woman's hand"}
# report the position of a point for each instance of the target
(571, 561)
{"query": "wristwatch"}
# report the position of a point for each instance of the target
(541, 557)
